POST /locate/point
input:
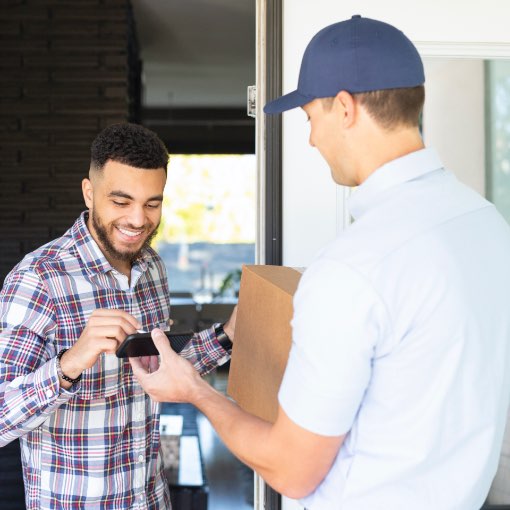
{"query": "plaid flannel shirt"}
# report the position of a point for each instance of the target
(95, 446)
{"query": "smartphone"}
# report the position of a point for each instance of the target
(141, 344)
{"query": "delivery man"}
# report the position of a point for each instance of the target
(397, 385)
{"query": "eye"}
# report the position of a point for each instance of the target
(119, 204)
(154, 205)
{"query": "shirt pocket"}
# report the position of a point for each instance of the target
(104, 379)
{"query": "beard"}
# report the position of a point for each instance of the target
(107, 244)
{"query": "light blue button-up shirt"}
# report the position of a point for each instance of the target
(401, 340)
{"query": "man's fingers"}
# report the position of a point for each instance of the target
(139, 370)
(145, 361)
(153, 363)
(110, 345)
(112, 320)
(107, 312)
(110, 332)
(162, 344)
(150, 363)
(230, 325)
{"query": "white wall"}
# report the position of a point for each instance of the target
(454, 117)
(309, 194)
(310, 205)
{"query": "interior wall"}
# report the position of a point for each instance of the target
(64, 75)
(196, 53)
(198, 58)
(454, 117)
(311, 205)
(313, 210)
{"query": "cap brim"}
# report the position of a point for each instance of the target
(287, 102)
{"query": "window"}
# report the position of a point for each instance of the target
(498, 134)
(208, 226)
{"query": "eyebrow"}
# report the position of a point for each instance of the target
(121, 194)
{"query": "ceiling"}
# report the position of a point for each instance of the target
(196, 53)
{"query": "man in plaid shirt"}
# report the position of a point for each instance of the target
(89, 434)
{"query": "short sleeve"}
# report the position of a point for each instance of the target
(338, 320)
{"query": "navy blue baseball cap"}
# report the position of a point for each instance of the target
(356, 55)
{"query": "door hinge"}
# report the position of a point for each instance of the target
(251, 101)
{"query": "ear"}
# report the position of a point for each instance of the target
(348, 106)
(88, 192)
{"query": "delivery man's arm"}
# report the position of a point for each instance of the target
(291, 459)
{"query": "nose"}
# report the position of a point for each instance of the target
(137, 216)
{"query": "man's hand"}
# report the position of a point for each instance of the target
(104, 331)
(275, 451)
(174, 380)
(230, 326)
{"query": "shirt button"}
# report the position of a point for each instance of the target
(49, 393)
(141, 458)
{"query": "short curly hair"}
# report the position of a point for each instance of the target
(129, 144)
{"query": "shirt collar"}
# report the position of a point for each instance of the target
(391, 174)
(89, 251)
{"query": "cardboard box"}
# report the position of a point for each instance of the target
(262, 337)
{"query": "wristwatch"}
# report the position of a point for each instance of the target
(222, 337)
(59, 369)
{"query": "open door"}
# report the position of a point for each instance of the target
(268, 148)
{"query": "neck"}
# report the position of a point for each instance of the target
(384, 146)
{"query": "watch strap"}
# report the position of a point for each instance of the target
(223, 338)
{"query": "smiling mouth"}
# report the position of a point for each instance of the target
(130, 233)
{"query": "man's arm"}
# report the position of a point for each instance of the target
(204, 351)
(30, 388)
(290, 458)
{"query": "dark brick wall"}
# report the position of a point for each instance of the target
(64, 75)
(68, 68)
